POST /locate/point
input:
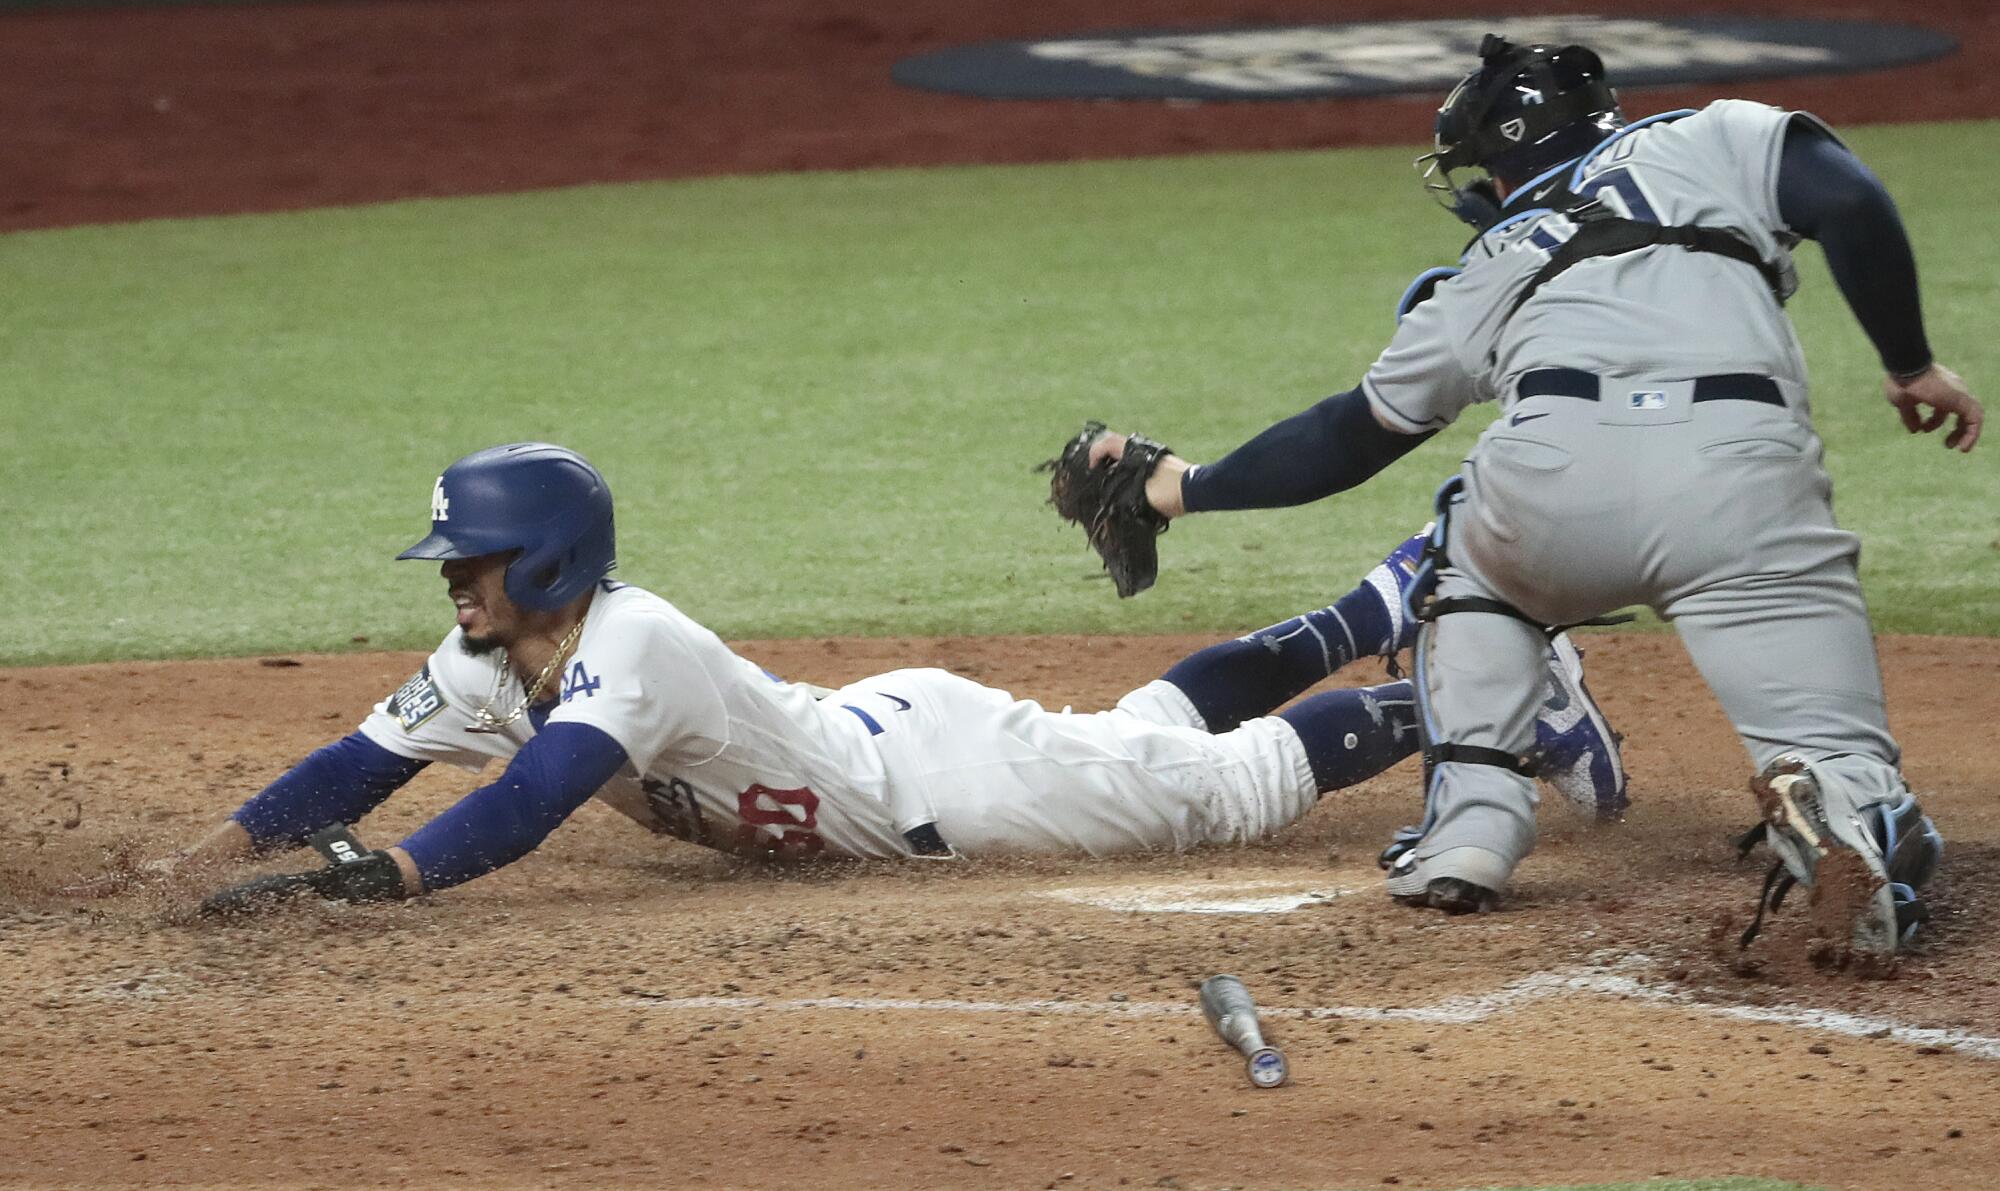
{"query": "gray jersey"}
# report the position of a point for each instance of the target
(1657, 312)
(1702, 499)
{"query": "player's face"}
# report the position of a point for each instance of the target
(478, 590)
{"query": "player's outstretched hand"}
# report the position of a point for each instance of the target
(368, 877)
(1927, 399)
(126, 879)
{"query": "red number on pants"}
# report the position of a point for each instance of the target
(794, 814)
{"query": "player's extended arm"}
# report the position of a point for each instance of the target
(336, 784)
(1826, 194)
(554, 773)
(1331, 447)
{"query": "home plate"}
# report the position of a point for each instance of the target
(1257, 897)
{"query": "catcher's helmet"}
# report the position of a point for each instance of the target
(1527, 108)
(544, 501)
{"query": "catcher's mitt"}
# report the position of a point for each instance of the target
(1109, 501)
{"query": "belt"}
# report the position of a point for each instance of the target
(1723, 386)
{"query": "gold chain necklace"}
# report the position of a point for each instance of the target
(485, 722)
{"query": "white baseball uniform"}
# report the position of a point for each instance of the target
(723, 754)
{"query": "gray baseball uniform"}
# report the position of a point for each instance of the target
(1655, 448)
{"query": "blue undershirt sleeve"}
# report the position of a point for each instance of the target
(556, 772)
(1826, 194)
(1327, 449)
(336, 784)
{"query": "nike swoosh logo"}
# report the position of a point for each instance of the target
(901, 704)
(1517, 419)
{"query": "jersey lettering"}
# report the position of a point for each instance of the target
(793, 812)
(579, 682)
(417, 701)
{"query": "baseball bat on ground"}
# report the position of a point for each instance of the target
(1228, 1007)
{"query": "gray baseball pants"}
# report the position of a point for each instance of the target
(1717, 515)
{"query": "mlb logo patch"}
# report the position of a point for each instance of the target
(1646, 399)
(417, 701)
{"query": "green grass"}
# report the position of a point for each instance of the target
(817, 397)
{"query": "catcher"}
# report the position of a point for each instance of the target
(585, 687)
(1623, 301)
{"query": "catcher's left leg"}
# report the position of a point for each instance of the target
(1479, 683)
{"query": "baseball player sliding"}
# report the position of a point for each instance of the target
(1624, 302)
(587, 687)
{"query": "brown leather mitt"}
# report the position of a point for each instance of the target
(1109, 501)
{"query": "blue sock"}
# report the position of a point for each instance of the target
(1248, 677)
(1352, 735)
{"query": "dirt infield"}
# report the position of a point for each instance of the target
(625, 1009)
(619, 1009)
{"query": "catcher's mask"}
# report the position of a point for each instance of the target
(546, 503)
(1527, 108)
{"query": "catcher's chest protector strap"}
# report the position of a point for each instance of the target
(1600, 233)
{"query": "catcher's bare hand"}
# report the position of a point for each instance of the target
(1927, 399)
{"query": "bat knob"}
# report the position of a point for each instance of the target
(1267, 1067)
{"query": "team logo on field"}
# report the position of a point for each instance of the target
(1384, 57)
(417, 701)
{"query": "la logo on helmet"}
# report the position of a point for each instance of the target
(440, 507)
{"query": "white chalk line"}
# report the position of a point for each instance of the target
(1464, 1010)
(1251, 897)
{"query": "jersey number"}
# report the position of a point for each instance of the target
(1615, 188)
(792, 812)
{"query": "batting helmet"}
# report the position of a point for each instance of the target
(1527, 108)
(543, 501)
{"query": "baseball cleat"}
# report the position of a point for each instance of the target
(1391, 580)
(1457, 880)
(1862, 865)
(1577, 750)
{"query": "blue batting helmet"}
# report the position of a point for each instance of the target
(544, 501)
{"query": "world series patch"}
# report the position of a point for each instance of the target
(417, 701)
